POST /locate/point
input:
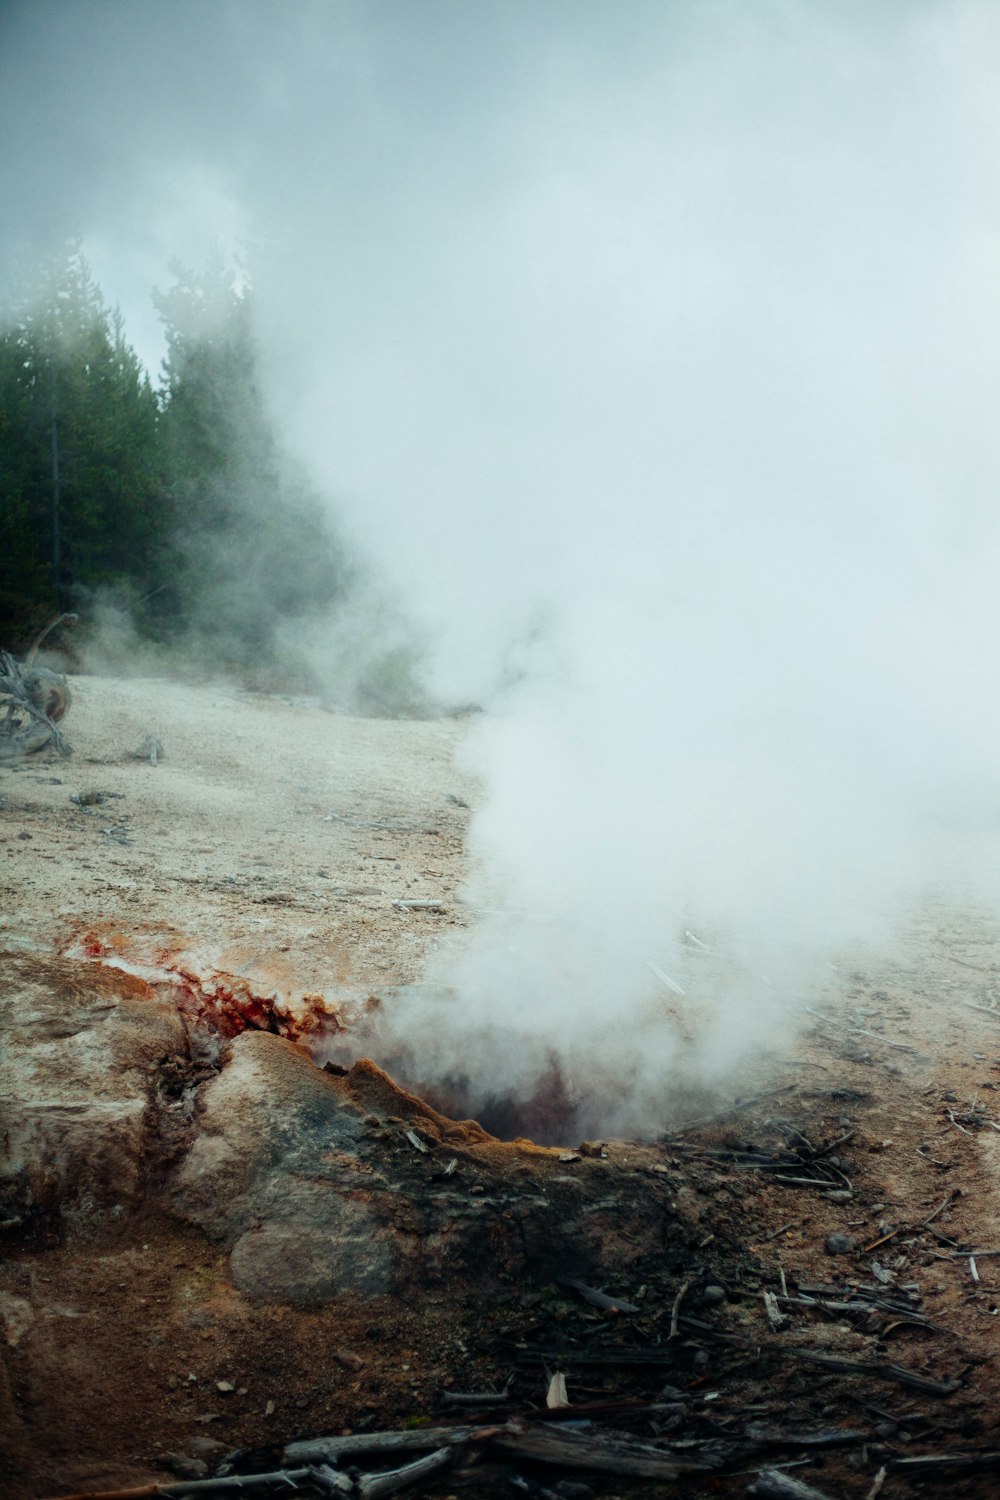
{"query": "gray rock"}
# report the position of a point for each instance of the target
(290, 1264)
(840, 1244)
(274, 1176)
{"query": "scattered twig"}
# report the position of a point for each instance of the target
(64, 619)
(675, 1311)
(925, 1223)
(877, 1483)
(598, 1299)
(883, 1241)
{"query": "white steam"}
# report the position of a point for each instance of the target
(653, 351)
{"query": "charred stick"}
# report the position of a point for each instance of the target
(947, 1463)
(833, 1437)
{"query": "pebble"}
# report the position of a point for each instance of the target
(840, 1244)
(184, 1467)
(713, 1295)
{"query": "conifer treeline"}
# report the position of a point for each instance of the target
(174, 500)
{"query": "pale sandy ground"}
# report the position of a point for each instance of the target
(271, 836)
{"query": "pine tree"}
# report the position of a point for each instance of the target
(79, 461)
(256, 548)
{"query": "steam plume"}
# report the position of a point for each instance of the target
(653, 352)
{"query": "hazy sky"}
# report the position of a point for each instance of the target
(653, 349)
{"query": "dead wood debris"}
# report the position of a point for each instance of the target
(36, 701)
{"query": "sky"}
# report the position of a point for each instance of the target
(651, 351)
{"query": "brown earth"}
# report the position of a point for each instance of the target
(167, 1295)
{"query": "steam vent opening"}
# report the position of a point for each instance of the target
(548, 1117)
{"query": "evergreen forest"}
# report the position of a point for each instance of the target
(172, 500)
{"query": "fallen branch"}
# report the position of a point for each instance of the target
(374, 1486)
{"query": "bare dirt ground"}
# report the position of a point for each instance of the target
(251, 875)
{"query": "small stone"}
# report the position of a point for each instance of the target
(840, 1244)
(713, 1295)
(205, 1447)
(701, 1361)
(350, 1360)
(225, 1386)
(184, 1467)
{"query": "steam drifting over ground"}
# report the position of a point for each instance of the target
(653, 352)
